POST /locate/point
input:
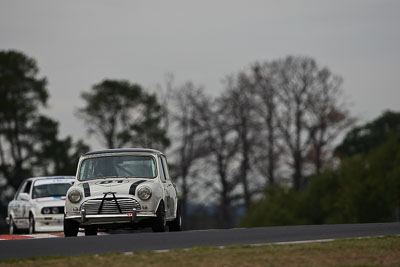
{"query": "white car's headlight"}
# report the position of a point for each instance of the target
(46, 210)
(144, 193)
(74, 196)
(55, 210)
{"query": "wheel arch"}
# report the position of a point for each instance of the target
(32, 212)
(178, 203)
(158, 204)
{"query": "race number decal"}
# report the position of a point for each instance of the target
(111, 182)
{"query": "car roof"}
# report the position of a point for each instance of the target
(123, 150)
(50, 178)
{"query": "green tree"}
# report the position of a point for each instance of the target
(120, 113)
(370, 135)
(279, 206)
(371, 185)
(147, 130)
(22, 94)
(318, 202)
(29, 142)
(55, 156)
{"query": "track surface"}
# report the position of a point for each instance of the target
(161, 241)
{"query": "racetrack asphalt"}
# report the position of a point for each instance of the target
(132, 242)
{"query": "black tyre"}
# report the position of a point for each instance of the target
(159, 223)
(12, 228)
(91, 230)
(176, 225)
(31, 228)
(71, 227)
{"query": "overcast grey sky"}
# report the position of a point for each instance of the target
(79, 43)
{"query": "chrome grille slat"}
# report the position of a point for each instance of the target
(92, 206)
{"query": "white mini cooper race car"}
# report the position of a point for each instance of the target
(122, 188)
(38, 205)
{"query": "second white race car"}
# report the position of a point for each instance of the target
(38, 205)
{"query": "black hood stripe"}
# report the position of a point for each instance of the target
(86, 189)
(132, 189)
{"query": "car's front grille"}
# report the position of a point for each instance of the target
(126, 205)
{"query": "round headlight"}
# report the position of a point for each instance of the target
(46, 210)
(74, 196)
(55, 210)
(144, 193)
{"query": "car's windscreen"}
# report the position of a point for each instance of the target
(50, 190)
(117, 166)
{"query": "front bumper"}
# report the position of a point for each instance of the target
(52, 223)
(49, 223)
(110, 208)
(132, 217)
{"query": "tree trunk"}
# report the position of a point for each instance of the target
(225, 220)
(271, 154)
(297, 174)
(245, 164)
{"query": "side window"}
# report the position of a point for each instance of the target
(20, 190)
(28, 187)
(161, 170)
(164, 161)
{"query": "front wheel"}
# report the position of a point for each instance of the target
(12, 229)
(71, 227)
(31, 228)
(176, 224)
(159, 223)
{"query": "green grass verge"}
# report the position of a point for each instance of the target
(343, 252)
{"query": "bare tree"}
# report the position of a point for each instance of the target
(188, 136)
(277, 116)
(311, 112)
(329, 117)
(239, 103)
(264, 80)
(296, 81)
(222, 144)
(206, 133)
(165, 93)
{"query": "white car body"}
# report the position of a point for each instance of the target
(112, 201)
(33, 198)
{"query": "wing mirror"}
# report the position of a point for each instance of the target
(24, 196)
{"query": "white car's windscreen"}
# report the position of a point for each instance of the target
(117, 166)
(43, 188)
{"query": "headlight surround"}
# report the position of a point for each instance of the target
(51, 210)
(74, 196)
(144, 193)
(46, 210)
